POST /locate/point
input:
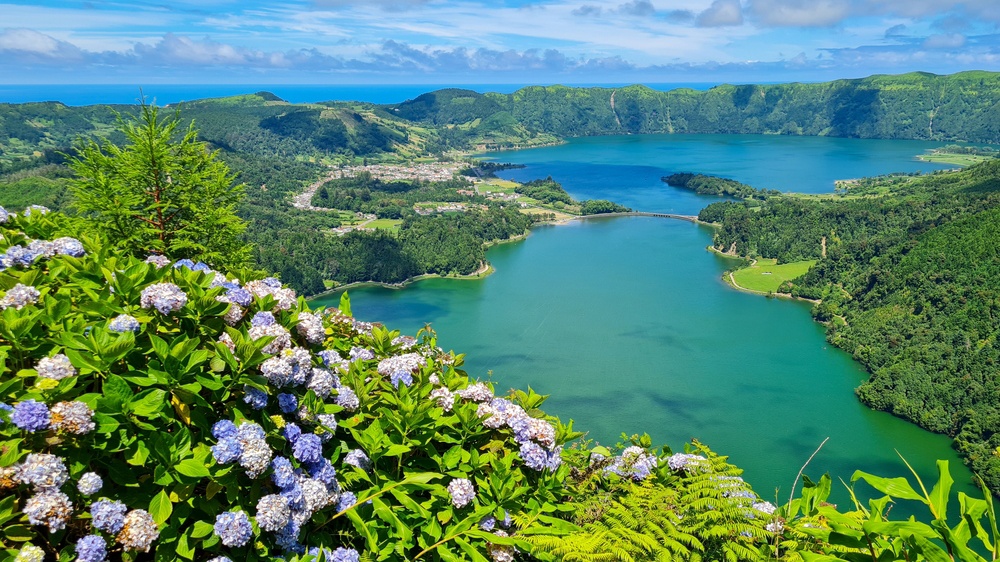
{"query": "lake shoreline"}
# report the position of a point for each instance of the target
(487, 268)
(729, 280)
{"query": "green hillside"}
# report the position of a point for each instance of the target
(960, 106)
(907, 272)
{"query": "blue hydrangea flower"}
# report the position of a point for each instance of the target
(461, 492)
(89, 484)
(248, 431)
(323, 471)
(240, 296)
(262, 319)
(295, 496)
(345, 555)
(44, 471)
(358, 458)
(256, 398)
(288, 538)
(284, 475)
(292, 432)
(19, 256)
(227, 450)
(488, 523)
(201, 266)
(139, 531)
(223, 429)
(308, 448)
(329, 356)
(404, 377)
(164, 297)
(233, 527)
(51, 508)
(361, 354)
(347, 399)
(184, 263)
(91, 548)
(30, 415)
(220, 559)
(68, 247)
(346, 500)
(288, 403)
(273, 513)
(271, 282)
(124, 323)
(534, 456)
(316, 551)
(108, 515)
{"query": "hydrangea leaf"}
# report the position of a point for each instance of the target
(160, 507)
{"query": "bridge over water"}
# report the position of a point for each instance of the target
(689, 218)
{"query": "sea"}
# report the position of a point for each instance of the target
(167, 94)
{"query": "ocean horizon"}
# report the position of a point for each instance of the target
(166, 94)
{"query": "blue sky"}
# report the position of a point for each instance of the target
(490, 41)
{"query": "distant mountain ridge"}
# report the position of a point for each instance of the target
(963, 106)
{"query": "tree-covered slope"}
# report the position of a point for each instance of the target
(908, 281)
(961, 106)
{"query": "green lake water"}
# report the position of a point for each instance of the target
(627, 323)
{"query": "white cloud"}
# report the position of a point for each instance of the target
(721, 13)
(30, 44)
(638, 8)
(944, 41)
(799, 13)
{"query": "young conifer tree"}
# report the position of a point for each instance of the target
(161, 191)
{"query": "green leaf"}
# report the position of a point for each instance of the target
(899, 528)
(148, 403)
(470, 550)
(397, 451)
(11, 452)
(941, 490)
(117, 390)
(160, 507)
(895, 487)
(931, 551)
(345, 304)
(18, 533)
(201, 529)
(192, 468)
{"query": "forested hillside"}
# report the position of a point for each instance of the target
(908, 276)
(911, 106)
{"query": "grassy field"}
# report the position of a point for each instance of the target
(766, 276)
(385, 224)
(953, 158)
(539, 211)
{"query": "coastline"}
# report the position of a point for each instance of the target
(483, 272)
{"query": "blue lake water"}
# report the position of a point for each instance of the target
(627, 323)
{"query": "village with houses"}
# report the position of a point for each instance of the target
(490, 188)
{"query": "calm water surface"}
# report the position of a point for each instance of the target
(627, 324)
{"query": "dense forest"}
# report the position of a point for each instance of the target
(909, 277)
(712, 185)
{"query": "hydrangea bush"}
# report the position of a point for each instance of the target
(162, 409)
